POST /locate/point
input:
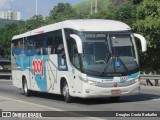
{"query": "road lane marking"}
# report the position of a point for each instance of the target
(54, 109)
(5, 80)
(156, 99)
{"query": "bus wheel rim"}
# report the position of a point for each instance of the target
(25, 88)
(65, 91)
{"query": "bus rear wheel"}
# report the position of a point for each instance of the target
(67, 97)
(26, 91)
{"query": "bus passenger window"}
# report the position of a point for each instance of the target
(75, 58)
(39, 46)
(59, 46)
(73, 52)
(51, 45)
(60, 50)
(48, 49)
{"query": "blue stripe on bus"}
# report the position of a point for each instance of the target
(124, 79)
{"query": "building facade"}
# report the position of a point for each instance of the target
(10, 15)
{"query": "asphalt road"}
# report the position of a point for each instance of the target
(12, 99)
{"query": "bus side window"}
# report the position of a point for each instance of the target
(30, 46)
(17, 48)
(39, 46)
(60, 47)
(73, 52)
(52, 42)
(72, 48)
(50, 47)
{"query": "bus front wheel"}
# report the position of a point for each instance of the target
(67, 97)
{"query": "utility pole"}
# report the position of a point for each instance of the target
(96, 6)
(91, 7)
(36, 8)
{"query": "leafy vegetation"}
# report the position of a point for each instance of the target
(142, 15)
(147, 23)
(85, 7)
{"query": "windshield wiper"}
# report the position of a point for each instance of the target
(113, 60)
(106, 66)
(122, 63)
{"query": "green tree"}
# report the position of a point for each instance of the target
(7, 32)
(34, 22)
(148, 24)
(62, 11)
(125, 13)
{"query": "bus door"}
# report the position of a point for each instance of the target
(75, 73)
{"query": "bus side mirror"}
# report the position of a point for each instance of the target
(78, 42)
(143, 41)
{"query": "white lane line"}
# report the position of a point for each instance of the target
(156, 99)
(6, 80)
(54, 109)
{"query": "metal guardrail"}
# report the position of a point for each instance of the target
(5, 74)
(150, 79)
(5, 62)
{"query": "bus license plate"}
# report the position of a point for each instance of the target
(116, 91)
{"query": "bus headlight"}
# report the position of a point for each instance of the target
(136, 80)
(90, 82)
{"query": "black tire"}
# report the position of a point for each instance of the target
(65, 92)
(114, 99)
(26, 91)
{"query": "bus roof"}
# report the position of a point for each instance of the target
(79, 25)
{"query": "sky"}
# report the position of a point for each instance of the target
(28, 7)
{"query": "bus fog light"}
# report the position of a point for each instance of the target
(87, 91)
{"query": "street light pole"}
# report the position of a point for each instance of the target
(91, 7)
(95, 6)
(36, 8)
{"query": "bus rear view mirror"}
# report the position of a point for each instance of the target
(78, 42)
(143, 42)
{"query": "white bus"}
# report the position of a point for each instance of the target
(78, 58)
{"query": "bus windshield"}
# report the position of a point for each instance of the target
(108, 54)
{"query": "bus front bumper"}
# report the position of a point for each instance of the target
(91, 91)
